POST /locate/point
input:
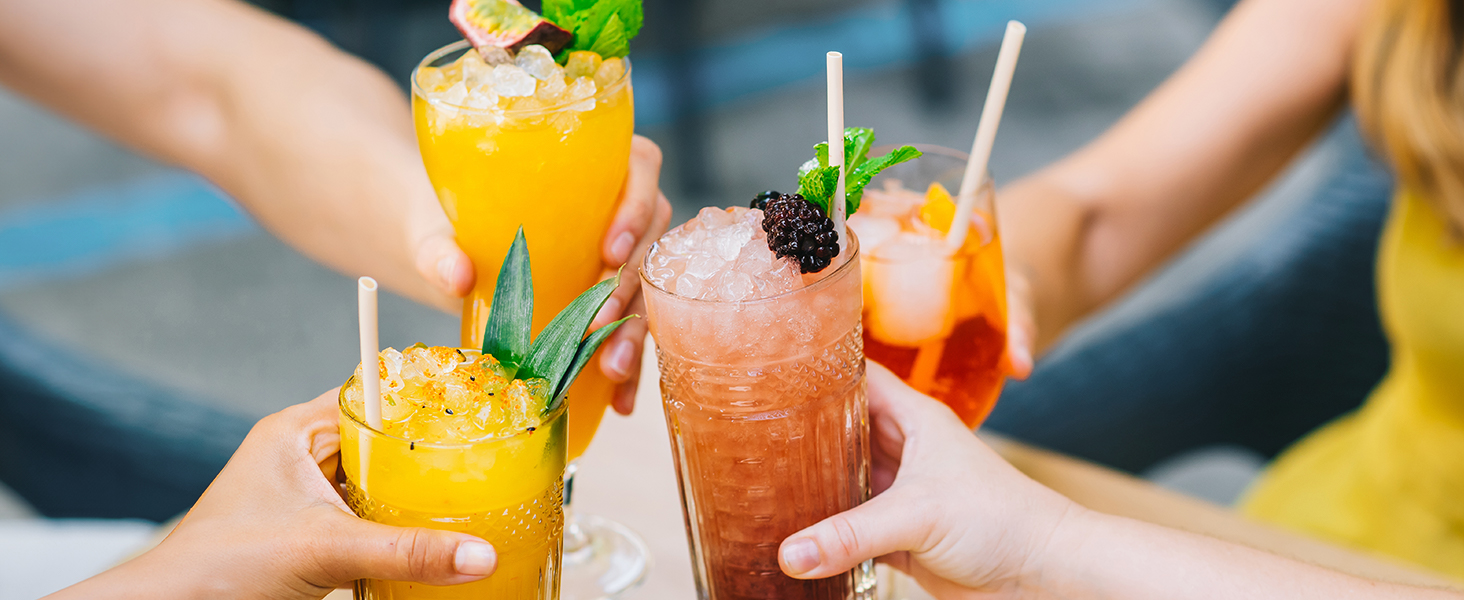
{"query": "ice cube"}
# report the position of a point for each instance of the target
(551, 89)
(582, 94)
(536, 61)
(703, 265)
(908, 293)
(511, 81)
(431, 80)
(610, 72)
(494, 55)
(688, 286)
(735, 286)
(481, 99)
(455, 95)
(565, 121)
(582, 64)
(476, 73)
(712, 217)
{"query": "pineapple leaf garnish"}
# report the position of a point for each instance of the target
(582, 357)
(506, 337)
(557, 345)
(817, 180)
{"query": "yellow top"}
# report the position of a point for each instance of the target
(1390, 477)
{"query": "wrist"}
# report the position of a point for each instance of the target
(1061, 558)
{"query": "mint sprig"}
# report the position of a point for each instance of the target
(561, 350)
(601, 26)
(817, 181)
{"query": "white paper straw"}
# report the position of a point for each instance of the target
(836, 140)
(370, 349)
(1001, 83)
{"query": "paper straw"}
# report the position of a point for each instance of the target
(370, 349)
(1001, 83)
(836, 139)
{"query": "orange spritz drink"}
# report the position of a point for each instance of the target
(934, 316)
(512, 141)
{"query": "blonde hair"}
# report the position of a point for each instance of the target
(1408, 90)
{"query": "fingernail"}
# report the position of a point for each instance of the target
(618, 359)
(620, 248)
(445, 267)
(474, 558)
(801, 556)
(610, 311)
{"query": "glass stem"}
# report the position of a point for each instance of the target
(575, 539)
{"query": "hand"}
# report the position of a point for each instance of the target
(947, 510)
(273, 525)
(643, 216)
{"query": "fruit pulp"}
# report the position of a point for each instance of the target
(558, 177)
(768, 419)
(506, 490)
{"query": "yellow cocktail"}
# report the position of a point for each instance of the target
(553, 162)
(462, 449)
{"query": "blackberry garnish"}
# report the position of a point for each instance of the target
(798, 228)
(760, 201)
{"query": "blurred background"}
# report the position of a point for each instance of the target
(137, 265)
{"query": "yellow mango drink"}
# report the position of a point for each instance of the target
(516, 128)
(475, 440)
(462, 449)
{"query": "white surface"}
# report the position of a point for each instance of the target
(38, 557)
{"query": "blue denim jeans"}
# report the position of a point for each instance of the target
(78, 439)
(1281, 340)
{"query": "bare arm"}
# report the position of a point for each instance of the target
(1083, 230)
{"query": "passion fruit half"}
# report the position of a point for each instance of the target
(506, 24)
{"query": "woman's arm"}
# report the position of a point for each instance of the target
(966, 524)
(1084, 229)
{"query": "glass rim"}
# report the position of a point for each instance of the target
(839, 272)
(464, 45)
(345, 412)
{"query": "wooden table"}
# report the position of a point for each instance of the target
(628, 475)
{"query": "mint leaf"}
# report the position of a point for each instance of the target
(817, 184)
(582, 357)
(554, 350)
(506, 336)
(864, 173)
(612, 41)
(857, 141)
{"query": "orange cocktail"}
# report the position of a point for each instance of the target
(936, 317)
(553, 161)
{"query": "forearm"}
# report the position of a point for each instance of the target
(315, 143)
(1096, 556)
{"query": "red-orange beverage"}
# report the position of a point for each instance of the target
(936, 318)
(763, 385)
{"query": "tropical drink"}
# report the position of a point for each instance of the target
(934, 316)
(762, 376)
(528, 142)
(463, 448)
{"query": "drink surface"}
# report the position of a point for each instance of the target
(936, 318)
(540, 146)
(463, 449)
(762, 376)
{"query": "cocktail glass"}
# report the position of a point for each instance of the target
(765, 404)
(507, 490)
(558, 172)
(938, 319)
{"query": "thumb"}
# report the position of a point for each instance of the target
(366, 550)
(440, 261)
(1021, 326)
(883, 525)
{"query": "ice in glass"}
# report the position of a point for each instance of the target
(936, 317)
(762, 376)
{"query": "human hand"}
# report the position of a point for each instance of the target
(273, 525)
(1021, 323)
(947, 509)
(643, 216)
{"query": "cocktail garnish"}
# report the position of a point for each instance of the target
(601, 26)
(562, 349)
(505, 24)
(816, 179)
(800, 229)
